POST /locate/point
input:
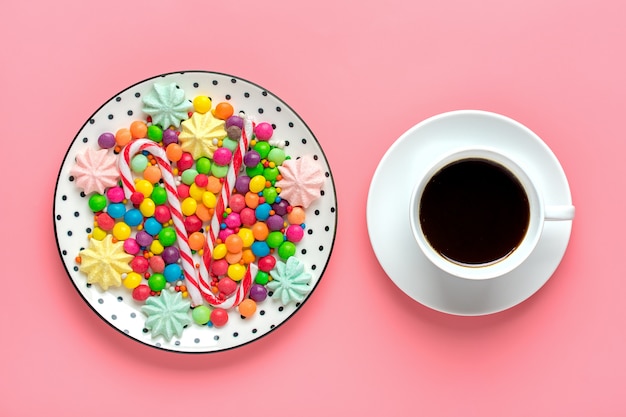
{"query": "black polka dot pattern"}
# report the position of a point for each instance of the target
(73, 220)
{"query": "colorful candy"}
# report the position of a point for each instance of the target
(209, 226)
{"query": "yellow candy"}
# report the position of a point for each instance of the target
(147, 207)
(196, 192)
(121, 231)
(236, 272)
(132, 280)
(219, 251)
(144, 187)
(257, 183)
(246, 236)
(98, 233)
(209, 199)
(202, 104)
(188, 206)
(156, 247)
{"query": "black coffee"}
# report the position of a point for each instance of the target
(474, 211)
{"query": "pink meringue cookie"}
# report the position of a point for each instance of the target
(302, 180)
(95, 170)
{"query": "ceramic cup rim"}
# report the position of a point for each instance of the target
(507, 263)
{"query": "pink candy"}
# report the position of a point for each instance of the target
(115, 194)
(263, 131)
(294, 233)
(222, 156)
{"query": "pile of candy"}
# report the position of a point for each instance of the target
(197, 211)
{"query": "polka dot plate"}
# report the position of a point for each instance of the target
(74, 221)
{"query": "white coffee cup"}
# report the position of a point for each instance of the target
(538, 214)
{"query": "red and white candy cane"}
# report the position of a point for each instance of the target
(216, 220)
(187, 262)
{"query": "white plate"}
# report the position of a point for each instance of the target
(388, 217)
(73, 219)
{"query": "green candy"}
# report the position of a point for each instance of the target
(157, 281)
(261, 278)
(139, 163)
(167, 236)
(219, 171)
(230, 144)
(201, 314)
(97, 202)
(155, 133)
(270, 194)
(263, 148)
(254, 171)
(188, 176)
(286, 249)
(276, 156)
(203, 165)
(159, 195)
(274, 239)
(270, 174)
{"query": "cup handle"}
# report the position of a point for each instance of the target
(564, 212)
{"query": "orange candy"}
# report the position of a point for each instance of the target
(247, 307)
(214, 185)
(174, 152)
(233, 258)
(204, 213)
(196, 241)
(252, 199)
(260, 231)
(123, 136)
(223, 110)
(296, 216)
(138, 129)
(152, 173)
(248, 256)
(234, 244)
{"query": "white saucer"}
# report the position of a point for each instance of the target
(388, 217)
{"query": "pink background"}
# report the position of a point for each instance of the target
(360, 73)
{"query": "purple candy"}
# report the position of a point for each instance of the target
(258, 292)
(106, 140)
(170, 254)
(234, 121)
(280, 208)
(242, 184)
(143, 238)
(169, 137)
(251, 158)
(274, 222)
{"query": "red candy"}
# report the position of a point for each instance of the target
(157, 264)
(219, 317)
(192, 224)
(139, 264)
(105, 222)
(267, 263)
(141, 292)
(162, 214)
(136, 198)
(227, 286)
(219, 267)
(201, 180)
(183, 191)
(185, 162)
